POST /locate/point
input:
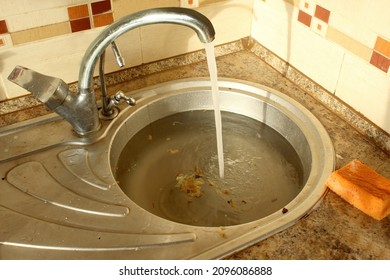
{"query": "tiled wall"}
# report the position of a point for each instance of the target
(52, 36)
(342, 45)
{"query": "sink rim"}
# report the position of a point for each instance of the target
(309, 196)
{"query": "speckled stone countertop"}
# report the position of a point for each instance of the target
(335, 230)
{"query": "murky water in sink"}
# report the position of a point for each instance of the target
(170, 168)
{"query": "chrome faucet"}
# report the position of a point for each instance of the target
(80, 108)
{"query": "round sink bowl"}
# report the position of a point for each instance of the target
(277, 155)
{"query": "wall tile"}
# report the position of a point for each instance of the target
(103, 19)
(382, 46)
(101, 7)
(349, 43)
(35, 19)
(80, 24)
(297, 44)
(26, 6)
(122, 8)
(162, 41)
(77, 12)
(356, 30)
(304, 18)
(6, 41)
(307, 6)
(39, 33)
(3, 27)
(366, 89)
(379, 61)
(318, 26)
(322, 14)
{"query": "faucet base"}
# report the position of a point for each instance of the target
(113, 114)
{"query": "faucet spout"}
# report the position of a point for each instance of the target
(182, 16)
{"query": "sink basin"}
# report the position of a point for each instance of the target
(146, 185)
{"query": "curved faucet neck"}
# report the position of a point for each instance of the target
(187, 17)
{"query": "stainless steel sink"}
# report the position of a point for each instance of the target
(62, 197)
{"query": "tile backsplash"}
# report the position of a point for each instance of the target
(345, 50)
(52, 36)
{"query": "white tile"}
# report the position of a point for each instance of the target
(308, 6)
(366, 89)
(373, 15)
(7, 41)
(166, 40)
(271, 28)
(37, 18)
(313, 55)
(19, 7)
(318, 26)
(232, 20)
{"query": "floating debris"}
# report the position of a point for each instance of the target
(231, 203)
(190, 184)
(173, 151)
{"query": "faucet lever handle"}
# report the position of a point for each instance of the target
(121, 96)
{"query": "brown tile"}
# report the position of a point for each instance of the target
(78, 12)
(80, 24)
(103, 19)
(322, 13)
(380, 61)
(304, 18)
(382, 46)
(3, 27)
(101, 7)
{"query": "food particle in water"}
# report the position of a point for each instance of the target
(173, 151)
(190, 185)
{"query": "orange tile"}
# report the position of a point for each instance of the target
(2, 43)
(322, 13)
(304, 18)
(382, 46)
(78, 12)
(103, 19)
(380, 61)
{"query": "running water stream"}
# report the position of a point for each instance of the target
(211, 62)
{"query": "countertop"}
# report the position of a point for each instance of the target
(335, 229)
